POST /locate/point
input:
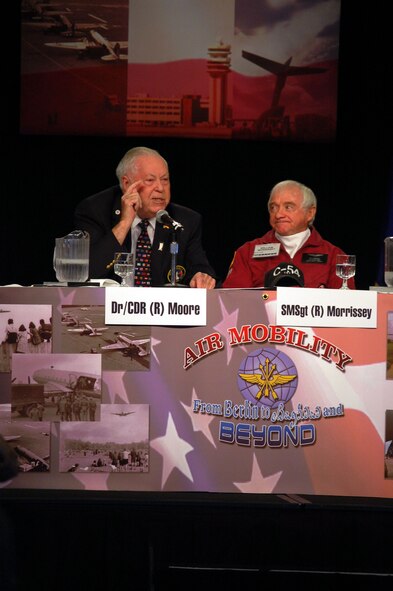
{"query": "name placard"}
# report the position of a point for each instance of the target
(161, 306)
(326, 307)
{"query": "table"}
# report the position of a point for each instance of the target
(209, 408)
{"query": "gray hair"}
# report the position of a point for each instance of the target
(309, 199)
(128, 164)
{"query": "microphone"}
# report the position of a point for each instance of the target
(164, 218)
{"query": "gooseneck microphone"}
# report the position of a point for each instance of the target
(164, 218)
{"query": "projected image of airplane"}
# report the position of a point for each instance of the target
(122, 413)
(281, 72)
(64, 25)
(88, 330)
(42, 10)
(97, 45)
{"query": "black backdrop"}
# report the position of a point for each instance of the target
(228, 181)
(42, 180)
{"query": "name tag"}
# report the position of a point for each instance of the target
(314, 257)
(161, 306)
(262, 251)
(340, 308)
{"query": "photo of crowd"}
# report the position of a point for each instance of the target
(24, 329)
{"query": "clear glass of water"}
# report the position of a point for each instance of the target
(345, 268)
(124, 268)
(389, 261)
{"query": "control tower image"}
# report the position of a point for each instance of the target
(218, 67)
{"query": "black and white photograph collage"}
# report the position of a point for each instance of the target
(61, 394)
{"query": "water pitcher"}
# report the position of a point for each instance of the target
(71, 257)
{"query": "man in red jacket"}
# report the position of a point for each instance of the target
(293, 252)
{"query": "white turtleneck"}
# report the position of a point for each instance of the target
(294, 242)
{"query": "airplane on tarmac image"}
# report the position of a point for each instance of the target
(125, 343)
(42, 10)
(69, 320)
(63, 25)
(97, 45)
(31, 461)
(88, 330)
(27, 458)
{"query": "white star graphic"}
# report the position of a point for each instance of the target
(258, 484)
(114, 382)
(98, 481)
(228, 321)
(200, 422)
(173, 450)
(153, 343)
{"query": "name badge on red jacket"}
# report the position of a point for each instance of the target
(314, 257)
(262, 251)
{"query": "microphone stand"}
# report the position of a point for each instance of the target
(174, 249)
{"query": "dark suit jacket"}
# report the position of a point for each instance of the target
(99, 213)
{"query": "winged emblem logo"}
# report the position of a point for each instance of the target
(267, 380)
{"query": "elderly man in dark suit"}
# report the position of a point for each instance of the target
(113, 219)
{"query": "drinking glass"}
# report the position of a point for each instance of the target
(124, 268)
(389, 261)
(345, 268)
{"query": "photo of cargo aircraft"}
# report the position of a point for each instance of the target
(122, 413)
(98, 45)
(60, 381)
(88, 330)
(80, 323)
(127, 344)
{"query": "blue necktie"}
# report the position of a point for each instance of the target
(142, 257)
